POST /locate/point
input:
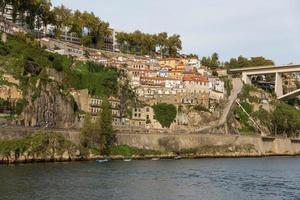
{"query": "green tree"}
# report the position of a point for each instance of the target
(211, 62)
(87, 132)
(173, 45)
(63, 18)
(161, 41)
(245, 62)
(165, 114)
(106, 125)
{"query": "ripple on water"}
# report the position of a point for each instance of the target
(213, 179)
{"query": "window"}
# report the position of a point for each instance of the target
(147, 109)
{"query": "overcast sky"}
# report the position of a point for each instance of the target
(269, 28)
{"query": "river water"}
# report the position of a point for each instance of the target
(208, 179)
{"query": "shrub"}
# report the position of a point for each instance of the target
(200, 108)
(165, 114)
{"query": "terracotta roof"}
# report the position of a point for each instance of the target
(195, 78)
(159, 78)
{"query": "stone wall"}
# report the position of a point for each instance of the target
(261, 146)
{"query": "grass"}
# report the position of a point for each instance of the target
(100, 80)
(37, 143)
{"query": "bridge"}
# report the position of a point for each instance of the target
(264, 70)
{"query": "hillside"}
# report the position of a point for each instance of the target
(269, 115)
(43, 80)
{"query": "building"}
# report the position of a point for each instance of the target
(7, 14)
(216, 84)
(170, 62)
(144, 117)
(62, 48)
(68, 36)
(93, 104)
(195, 83)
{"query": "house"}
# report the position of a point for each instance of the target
(216, 84)
(175, 73)
(222, 72)
(7, 14)
(155, 81)
(68, 36)
(173, 83)
(163, 72)
(169, 62)
(144, 117)
(93, 104)
(195, 83)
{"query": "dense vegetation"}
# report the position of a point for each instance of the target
(99, 134)
(211, 62)
(146, 44)
(245, 62)
(165, 114)
(214, 62)
(39, 143)
(281, 119)
(91, 30)
(12, 108)
(22, 49)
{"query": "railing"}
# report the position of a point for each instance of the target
(251, 118)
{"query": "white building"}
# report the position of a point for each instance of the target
(216, 84)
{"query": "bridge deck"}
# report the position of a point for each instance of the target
(268, 69)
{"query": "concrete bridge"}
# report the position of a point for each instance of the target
(265, 70)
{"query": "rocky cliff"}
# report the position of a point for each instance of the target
(52, 108)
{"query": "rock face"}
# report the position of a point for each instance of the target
(32, 68)
(52, 109)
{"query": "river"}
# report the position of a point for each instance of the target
(208, 179)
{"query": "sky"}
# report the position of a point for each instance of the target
(269, 28)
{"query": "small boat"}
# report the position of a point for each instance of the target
(127, 160)
(102, 161)
(177, 157)
(155, 159)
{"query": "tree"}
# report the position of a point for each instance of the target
(165, 114)
(245, 62)
(63, 18)
(106, 125)
(161, 41)
(87, 132)
(211, 62)
(46, 15)
(146, 44)
(173, 45)
(286, 119)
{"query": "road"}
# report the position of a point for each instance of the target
(237, 86)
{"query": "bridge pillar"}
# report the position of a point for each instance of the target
(246, 79)
(278, 85)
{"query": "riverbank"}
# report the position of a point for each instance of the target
(60, 147)
(7, 161)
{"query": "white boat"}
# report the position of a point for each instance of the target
(127, 160)
(177, 157)
(102, 161)
(155, 159)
